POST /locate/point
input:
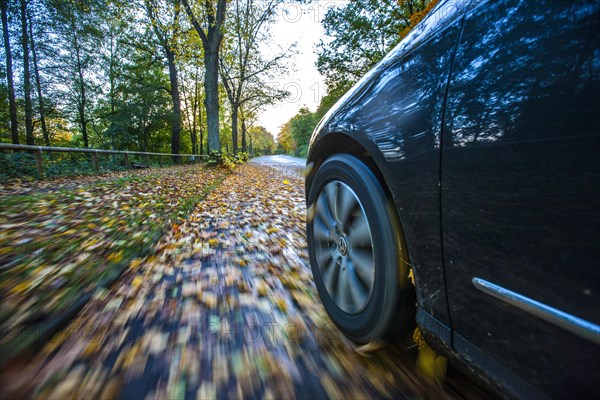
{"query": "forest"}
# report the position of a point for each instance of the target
(175, 76)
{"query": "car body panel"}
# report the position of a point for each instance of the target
(520, 187)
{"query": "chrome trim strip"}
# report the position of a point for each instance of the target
(571, 323)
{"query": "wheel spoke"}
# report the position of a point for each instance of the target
(331, 192)
(358, 292)
(345, 204)
(359, 233)
(362, 264)
(330, 274)
(325, 257)
(321, 232)
(345, 302)
(324, 211)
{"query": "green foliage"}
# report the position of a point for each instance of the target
(302, 151)
(285, 142)
(16, 165)
(302, 126)
(244, 68)
(295, 134)
(228, 161)
(359, 33)
(108, 72)
(261, 140)
(241, 157)
(142, 118)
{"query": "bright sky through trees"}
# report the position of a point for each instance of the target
(300, 24)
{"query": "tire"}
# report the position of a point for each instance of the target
(361, 274)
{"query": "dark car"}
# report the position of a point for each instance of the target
(469, 158)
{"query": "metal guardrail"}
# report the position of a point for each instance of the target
(37, 150)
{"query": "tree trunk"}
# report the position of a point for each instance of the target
(211, 102)
(176, 125)
(146, 134)
(26, 76)
(82, 101)
(14, 128)
(111, 76)
(201, 131)
(83, 122)
(194, 131)
(211, 42)
(234, 128)
(244, 147)
(38, 86)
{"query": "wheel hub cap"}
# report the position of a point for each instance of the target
(343, 247)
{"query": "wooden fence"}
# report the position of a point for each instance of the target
(38, 150)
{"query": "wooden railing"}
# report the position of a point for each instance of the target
(37, 151)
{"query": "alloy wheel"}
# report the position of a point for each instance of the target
(344, 247)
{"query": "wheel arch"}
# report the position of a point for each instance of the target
(338, 143)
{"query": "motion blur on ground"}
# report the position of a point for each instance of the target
(223, 305)
(180, 271)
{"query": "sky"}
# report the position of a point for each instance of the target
(300, 24)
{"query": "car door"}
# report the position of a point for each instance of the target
(520, 194)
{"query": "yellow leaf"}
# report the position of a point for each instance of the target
(280, 302)
(135, 263)
(261, 288)
(137, 281)
(432, 365)
(20, 288)
(286, 182)
(209, 299)
(115, 257)
(92, 347)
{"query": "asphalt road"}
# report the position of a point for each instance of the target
(287, 164)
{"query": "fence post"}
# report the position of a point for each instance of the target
(148, 160)
(126, 160)
(39, 162)
(95, 159)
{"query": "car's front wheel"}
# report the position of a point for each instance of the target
(355, 246)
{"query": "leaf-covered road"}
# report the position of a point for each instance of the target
(225, 308)
(61, 239)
